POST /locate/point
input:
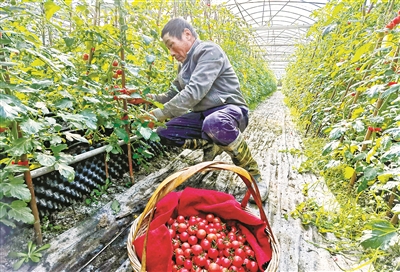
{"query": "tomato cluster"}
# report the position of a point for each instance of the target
(394, 22)
(208, 244)
(374, 129)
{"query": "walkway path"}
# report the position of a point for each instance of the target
(271, 134)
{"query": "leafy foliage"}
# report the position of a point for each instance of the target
(344, 89)
(33, 254)
(66, 68)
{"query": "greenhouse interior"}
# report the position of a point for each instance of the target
(200, 135)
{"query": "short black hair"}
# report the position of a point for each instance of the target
(175, 28)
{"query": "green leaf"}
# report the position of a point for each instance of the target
(379, 236)
(42, 106)
(22, 146)
(154, 137)
(8, 222)
(370, 173)
(91, 99)
(115, 206)
(18, 264)
(145, 132)
(35, 259)
(50, 8)
(44, 247)
(20, 212)
(329, 147)
(122, 134)
(147, 40)
(394, 132)
(109, 148)
(14, 254)
(358, 126)
(11, 107)
(65, 158)
(64, 59)
(5, 85)
(8, 112)
(46, 160)
(18, 204)
(150, 59)
(31, 127)
(375, 90)
(392, 155)
(31, 247)
(41, 84)
(8, 64)
(394, 88)
(86, 90)
(361, 51)
(74, 136)
(69, 41)
(336, 133)
(66, 171)
(58, 148)
(363, 185)
(44, 59)
(134, 71)
(56, 139)
(16, 187)
(64, 103)
(3, 209)
(328, 30)
(90, 119)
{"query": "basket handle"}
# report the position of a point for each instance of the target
(176, 179)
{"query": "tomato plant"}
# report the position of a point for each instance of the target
(344, 90)
(68, 69)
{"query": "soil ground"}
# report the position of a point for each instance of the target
(271, 135)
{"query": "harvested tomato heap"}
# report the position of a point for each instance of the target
(209, 244)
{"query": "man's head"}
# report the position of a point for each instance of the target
(179, 36)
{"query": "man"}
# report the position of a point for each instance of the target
(204, 104)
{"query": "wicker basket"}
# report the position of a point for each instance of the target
(141, 224)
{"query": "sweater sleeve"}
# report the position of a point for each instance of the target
(210, 61)
(165, 97)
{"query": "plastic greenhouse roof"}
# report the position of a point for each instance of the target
(279, 25)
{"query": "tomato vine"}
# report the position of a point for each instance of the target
(344, 90)
(67, 67)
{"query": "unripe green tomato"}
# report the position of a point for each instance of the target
(380, 34)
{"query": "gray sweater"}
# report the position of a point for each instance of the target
(205, 80)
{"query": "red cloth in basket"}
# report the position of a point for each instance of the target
(190, 202)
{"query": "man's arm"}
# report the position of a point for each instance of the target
(210, 61)
(165, 97)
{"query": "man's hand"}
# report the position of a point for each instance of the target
(148, 118)
(138, 101)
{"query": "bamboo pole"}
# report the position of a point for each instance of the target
(33, 204)
(395, 219)
(123, 82)
(391, 201)
(43, 29)
(24, 161)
